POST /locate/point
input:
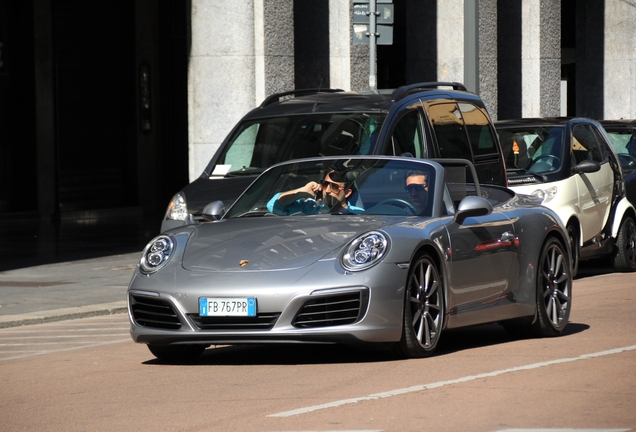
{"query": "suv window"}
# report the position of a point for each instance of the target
(407, 136)
(478, 127)
(449, 129)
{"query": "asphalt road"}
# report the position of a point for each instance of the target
(86, 374)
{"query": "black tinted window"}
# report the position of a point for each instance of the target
(448, 126)
(478, 129)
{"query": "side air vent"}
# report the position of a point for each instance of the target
(333, 310)
(154, 312)
(263, 321)
(524, 180)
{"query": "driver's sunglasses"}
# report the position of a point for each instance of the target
(412, 188)
(334, 186)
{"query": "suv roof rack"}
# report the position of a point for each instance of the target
(403, 91)
(301, 92)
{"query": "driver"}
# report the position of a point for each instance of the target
(331, 193)
(417, 189)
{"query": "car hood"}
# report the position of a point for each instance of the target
(203, 191)
(271, 243)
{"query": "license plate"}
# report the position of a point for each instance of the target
(214, 306)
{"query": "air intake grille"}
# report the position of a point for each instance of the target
(154, 312)
(335, 310)
(263, 321)
(524, 180)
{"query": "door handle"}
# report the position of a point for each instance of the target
(507, 237)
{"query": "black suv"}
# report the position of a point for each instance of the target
(425, 120)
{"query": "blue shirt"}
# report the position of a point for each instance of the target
(302, 205)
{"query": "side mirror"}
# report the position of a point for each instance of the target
(472, 206)
(214, 211)
(587, 166)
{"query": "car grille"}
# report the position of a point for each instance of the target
(262, 321)
(334, 310)
(523, 180)
(154, 312)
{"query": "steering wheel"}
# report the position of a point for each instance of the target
(545, 156)
(398, 202)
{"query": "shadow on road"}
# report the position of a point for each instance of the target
(452, 341)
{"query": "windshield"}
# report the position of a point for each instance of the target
(536, 149)
(624, 143)
(340, 186)
(259, 144)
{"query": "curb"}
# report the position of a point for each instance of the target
(63, 314)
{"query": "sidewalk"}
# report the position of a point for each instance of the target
(66, 290)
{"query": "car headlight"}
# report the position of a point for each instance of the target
(178, 208)
(156, 254)
(365, 251)
(545, 195)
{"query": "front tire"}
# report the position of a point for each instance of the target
(177, 353)
(423, 309)
(554, 290)
(625, 258)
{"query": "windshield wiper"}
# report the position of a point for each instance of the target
(245, 171)
(255, 213)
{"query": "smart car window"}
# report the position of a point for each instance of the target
(585, 144)
(449, 129)
(478, 128)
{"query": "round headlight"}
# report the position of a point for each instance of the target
(365, 251)
(156, 254)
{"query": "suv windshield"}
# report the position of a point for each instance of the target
(259, 144)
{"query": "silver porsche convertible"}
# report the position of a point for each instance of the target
(384, 250)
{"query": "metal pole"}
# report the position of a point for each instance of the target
(372, 45)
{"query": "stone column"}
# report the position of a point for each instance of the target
(619, 74)
(488, 55)
(450, 40)
(540, 58)
(340, 44)
(241, 52)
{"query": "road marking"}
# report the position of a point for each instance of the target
(418, 388)
(66, 349)
(565, 430)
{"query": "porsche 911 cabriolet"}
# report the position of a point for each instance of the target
(384, 250)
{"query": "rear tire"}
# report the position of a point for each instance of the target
(177, 353)
(423, 309)
(554, 290)
(625, 258)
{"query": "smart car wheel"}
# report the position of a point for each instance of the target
(423, 309)
(176, 353)
(575, 246)
(625, 259)
(554, 290)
